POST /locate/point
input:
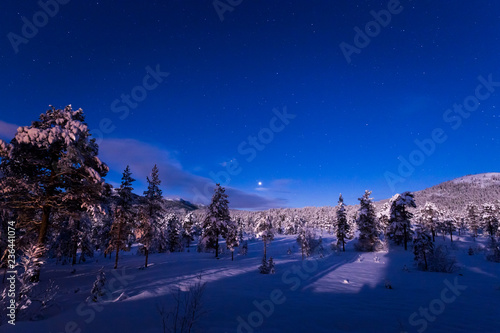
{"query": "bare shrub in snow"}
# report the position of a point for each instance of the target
(441, 260)
(186, 311)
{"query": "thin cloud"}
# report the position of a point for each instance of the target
(141, 157)
(7, 130)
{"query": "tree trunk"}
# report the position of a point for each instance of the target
(433, 234)
(451, 235)
(74, 249)
(232, 255)
(75, 243)
(116, 258)
(265, 250)
(147, 253)
(343, 245)
(425, 260)
(217, 247)
(405, 233)
(42, 238)
(44, 226)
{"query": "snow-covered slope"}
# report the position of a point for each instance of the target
(481, 180)
(457, 193)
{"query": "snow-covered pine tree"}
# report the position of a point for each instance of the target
(123, 216)
(473, 218)
(50, 166)
(449, 223)
(81, 228)
(239, 223)
(304, 238)
(461, 224)
(101, 226)
(430, 218)
(144, 232)
(173, 233)
(367, 224)
(188, 229)
(400, 220)
(384, 217)
(264, 229)
(151, 214)
(232, 238)
(489, 219)
(342, 226)
(98, 289)
(423, 247)
(290, 225)
(215, 223)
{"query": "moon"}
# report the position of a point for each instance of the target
(260, 183)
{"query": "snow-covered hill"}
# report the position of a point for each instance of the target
(457, 193)
(482, 179)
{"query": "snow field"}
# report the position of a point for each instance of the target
(342, 292)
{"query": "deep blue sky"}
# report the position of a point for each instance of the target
(352, 120)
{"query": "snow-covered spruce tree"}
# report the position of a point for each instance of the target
(144, 232)
(489, 219)
(473, 218)
(264, 229)
(342, 226)
(423, 247)
(367, 224)
(303, 238)
(98, 289)
(461, 224)
(173, 233)
(449, 224)
(50, 166)
(239, 223)
(232, 238)
(81, 228)
(123, 216)
(384, 217)
(271, 265)
(493, 253)
(264, 267)
(400, 220)
(430, 218)
(215, 223)
(290, 225)
(188, 229)
(151, 214)
(101, 226)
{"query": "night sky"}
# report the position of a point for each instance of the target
(267, 94)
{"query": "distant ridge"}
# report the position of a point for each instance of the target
(457, 193)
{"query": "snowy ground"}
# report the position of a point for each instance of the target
(342, 292)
